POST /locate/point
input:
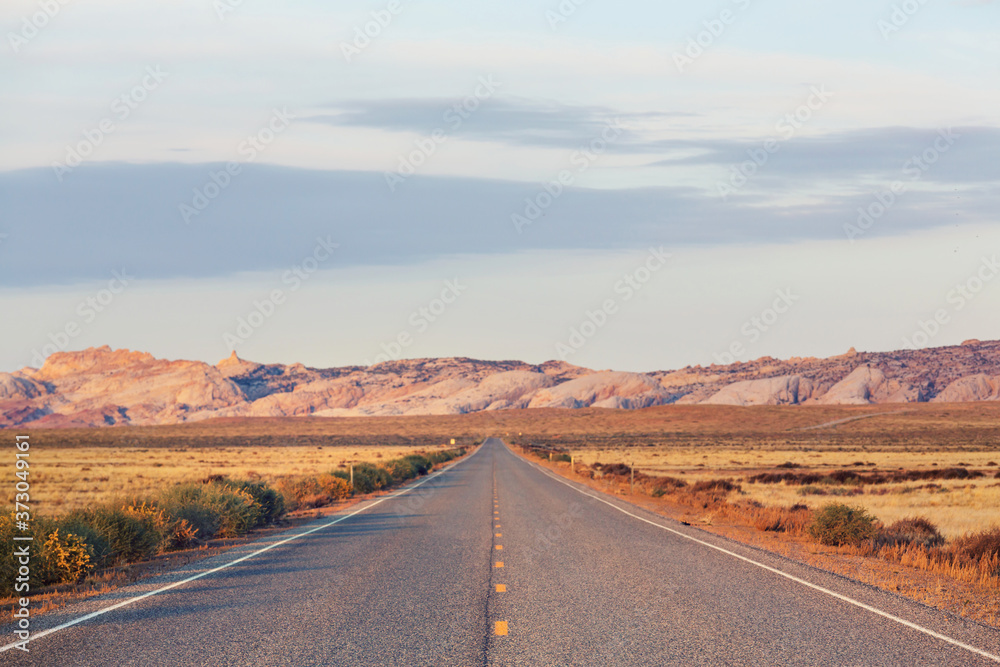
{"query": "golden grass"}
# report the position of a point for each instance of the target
(741, 460)
(73, 467)
(68, 478)
(959, 507)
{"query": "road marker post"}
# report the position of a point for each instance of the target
(352, 477)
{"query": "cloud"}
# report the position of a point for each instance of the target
(506, 120)
(109, 216)
(869, 153)
(878, 153)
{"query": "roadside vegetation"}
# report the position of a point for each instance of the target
(70, 547)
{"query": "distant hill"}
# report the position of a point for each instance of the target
(101, 386)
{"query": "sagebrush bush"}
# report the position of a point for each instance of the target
(715, 485)
(175, 533)
(668, 483)
(415, 465)
(836, 524)
(793, 520)
(215, 510)
(313, 491)
(370, 478)
(445, 455)
(272, 504)
(56, 554)
(917, 530)
(115, 534)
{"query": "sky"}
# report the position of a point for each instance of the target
(632, 185)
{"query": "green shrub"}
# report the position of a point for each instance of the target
(175, 533)
(406, 468)
(272, 504)
(369, 478)
(445, 455)
(836, 524)
(8, 560)
(215, 510)
(116, 534)
(56, 555)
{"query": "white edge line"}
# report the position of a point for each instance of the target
(844, 598)
(125, 603)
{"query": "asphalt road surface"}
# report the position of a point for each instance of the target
(495, 561)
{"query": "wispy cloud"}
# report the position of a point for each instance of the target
(512, 121)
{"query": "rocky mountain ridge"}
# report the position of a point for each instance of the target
(101, 386)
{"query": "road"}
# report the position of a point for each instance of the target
(415, 578)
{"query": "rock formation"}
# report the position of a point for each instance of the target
(101, 386)
(869, 385)
(781, 390)
(978, 387)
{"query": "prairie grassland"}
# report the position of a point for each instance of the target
(700, 443)
(717, 460)
(67, 478)
(956, 508)
(74, 467)
(914, 428)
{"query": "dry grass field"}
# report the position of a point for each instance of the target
(75, 467)
(955, 506)
(79, 468)
(66, 479)
(700, 443)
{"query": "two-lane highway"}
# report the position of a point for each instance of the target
(496, 561)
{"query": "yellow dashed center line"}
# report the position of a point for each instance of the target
(500, 629)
